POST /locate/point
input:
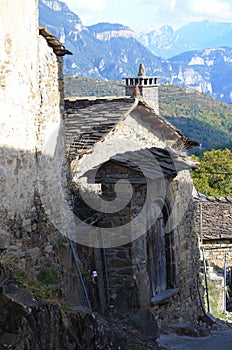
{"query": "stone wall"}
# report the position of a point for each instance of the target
(31, 120)
(33, 184)
(19, 99)
(187, 304)
(33, 177)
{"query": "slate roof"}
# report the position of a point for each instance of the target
(156, 161)
(89, 120)
(53, 42)
(92, 120)
(152, 163)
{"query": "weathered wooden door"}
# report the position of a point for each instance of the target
(156, 256)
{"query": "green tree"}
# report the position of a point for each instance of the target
(213, 177)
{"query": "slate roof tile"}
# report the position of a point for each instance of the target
(89, 120)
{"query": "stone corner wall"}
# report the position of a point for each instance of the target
(31, 98)
(32, 141)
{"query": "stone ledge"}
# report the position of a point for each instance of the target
(161, 297)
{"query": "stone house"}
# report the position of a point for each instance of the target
(138, 248)
(32, 113)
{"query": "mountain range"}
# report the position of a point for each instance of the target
(112, 51)
(166, 42)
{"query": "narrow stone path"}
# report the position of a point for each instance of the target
(217, 340)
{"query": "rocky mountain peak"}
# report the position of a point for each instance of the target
(107, 31)
(159, 40)
(54, 5)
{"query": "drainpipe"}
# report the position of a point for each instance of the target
(106, 270)
(201, 222)
(206, 282)
(224, 289)
(79, 273)
(204, 262)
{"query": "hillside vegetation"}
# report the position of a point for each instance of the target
(213, 176)
(202, 118)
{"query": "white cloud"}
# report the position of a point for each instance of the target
(87, 5)
(88, 10)
(174, 11)
(209, 8)
(151, 14)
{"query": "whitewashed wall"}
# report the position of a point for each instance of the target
(30, 111)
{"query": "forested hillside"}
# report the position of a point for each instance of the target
(199, 116)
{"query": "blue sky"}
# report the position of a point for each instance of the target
(145, 15)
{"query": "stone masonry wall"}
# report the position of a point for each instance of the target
(32, 148)
(186, 305)
(19, 101)
(31, 119)
(128, 277)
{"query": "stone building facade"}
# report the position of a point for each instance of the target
(150, 272)
(33, 168)
(154, 264)
(32, 112)
(33, 180)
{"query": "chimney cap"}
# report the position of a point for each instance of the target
(142, 70)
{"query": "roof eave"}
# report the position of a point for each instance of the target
(186, 141)
(53, 42)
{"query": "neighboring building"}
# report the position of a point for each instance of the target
(214, 222)
(213, 218)
(32, 112)
(152, 255)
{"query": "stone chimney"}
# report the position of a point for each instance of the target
(147, 87)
